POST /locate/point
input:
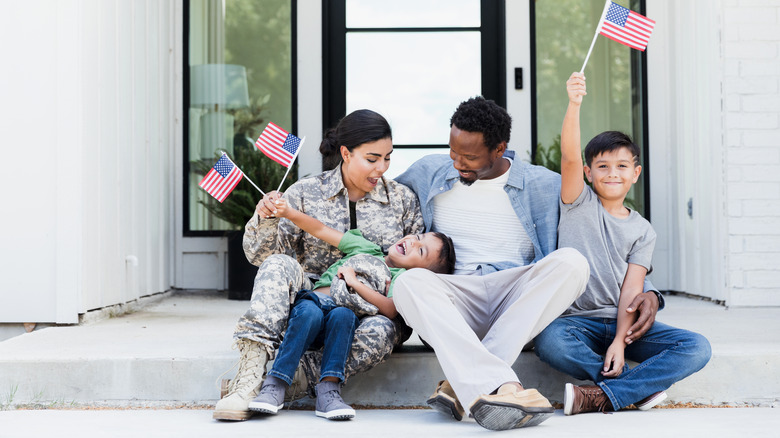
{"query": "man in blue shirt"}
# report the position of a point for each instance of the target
(510, 282)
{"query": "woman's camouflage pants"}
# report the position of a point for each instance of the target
(278, 279)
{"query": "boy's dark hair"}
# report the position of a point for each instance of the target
(609, 141)
(446, 261)
(486, 117)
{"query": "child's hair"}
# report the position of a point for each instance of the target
(609, 141)
(445, 264)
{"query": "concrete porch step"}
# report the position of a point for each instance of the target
(173, 352)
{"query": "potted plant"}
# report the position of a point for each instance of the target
(239, 206)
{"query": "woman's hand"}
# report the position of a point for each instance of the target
(614, 361)
(267, 208)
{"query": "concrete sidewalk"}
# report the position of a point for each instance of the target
(172, 352)
(705, 423)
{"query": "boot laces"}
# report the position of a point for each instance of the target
(594, 400)
(250, 370)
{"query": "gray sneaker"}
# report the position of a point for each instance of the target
(329, 402)
(271, 397)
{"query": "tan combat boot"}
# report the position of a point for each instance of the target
(246, 385)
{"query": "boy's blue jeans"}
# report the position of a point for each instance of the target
(576, 346)
(315, 321)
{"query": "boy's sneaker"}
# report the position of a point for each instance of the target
(586, 398)
(650, 401)
(445, 401)
(271, 397)
(510, 408)
(329, 402)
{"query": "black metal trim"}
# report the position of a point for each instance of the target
(334, 30)
(532, 75)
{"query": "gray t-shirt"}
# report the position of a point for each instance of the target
(609, 244)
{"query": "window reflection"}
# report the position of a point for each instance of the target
(413, 13)
(415, 79)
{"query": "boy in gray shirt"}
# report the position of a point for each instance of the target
(588, 341)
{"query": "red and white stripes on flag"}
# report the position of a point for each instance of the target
(278, 144)
(626, 27)
(222, 178)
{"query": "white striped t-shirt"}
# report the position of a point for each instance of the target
(482, 224)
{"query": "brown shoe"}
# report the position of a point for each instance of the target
(445, 401)
(511, 409)
(586, 398)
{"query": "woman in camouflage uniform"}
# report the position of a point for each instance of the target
(352, 195)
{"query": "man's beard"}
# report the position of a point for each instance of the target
(466, 182)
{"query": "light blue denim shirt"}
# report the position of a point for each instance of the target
(533, 191)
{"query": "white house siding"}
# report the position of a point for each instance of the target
(714, 83)
(751, 114)
(88, 123)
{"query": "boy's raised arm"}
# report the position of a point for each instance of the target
(308, 223)
(571, 154)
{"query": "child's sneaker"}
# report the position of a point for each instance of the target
(650, 401)
(271, 397)
(329, 402)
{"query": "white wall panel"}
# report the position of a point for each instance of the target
(92, 107)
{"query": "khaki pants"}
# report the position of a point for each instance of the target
(477, 325)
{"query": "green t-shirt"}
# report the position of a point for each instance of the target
(352, 244)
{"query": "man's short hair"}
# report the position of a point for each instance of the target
(486, 117)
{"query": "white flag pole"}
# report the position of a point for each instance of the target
(598, 28)
(291, 163)
(242, 173)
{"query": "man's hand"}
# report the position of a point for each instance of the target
(647, 305)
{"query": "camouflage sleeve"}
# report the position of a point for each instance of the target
(259, 239)
(263, 237)
(413, 220)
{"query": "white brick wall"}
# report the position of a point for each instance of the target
(751, 119)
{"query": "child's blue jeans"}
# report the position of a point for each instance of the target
(576, 345)
(315, 321)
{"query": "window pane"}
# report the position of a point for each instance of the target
(413, 13)
(240, 79)
(414, 79)
(402, 158)
(612, 103)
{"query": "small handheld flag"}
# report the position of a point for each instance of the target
(278, 144)
(222, 178)
(624, 26)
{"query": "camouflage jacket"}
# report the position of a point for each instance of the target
(384, 215)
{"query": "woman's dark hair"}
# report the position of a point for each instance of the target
(354, 129)
(446, 262)
(486, 117)
(609, 141)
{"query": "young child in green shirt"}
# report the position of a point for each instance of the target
(316, 320)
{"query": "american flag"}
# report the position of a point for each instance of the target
(627, 27)
(222, 178)
(278, 144)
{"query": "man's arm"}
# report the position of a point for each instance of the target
(307, 223)
(647, 304)
(571, 154)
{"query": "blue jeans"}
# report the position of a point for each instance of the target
(315, 321)
(576, 346)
